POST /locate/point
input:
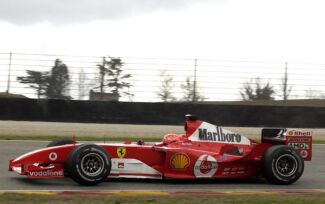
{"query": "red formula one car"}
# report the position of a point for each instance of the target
(204, 151)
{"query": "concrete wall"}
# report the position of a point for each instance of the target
(160, 113)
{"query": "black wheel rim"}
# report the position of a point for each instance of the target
(92, 164)
(286, 165)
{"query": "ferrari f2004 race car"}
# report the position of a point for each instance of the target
(204, 151)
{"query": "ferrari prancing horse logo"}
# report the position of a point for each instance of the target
(121, 151)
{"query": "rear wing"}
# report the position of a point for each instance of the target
(299, 140)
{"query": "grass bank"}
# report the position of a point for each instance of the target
(287, 198)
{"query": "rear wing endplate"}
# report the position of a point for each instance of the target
(299, 140)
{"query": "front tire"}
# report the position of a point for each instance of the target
(282, 164)
(88, 164)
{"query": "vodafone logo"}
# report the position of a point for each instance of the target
(205, 167)
(53, 156)
(47, 173)
(304, 154)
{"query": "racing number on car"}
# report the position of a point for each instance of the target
(121, 151)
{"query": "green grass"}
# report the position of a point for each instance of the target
(292, 198)
(318, 141)
(99, 139)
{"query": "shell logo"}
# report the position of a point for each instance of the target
(290, 133)
(179, 161)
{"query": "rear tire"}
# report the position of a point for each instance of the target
(88, 164)
(282, 164)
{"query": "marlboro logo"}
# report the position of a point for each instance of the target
(218, 136)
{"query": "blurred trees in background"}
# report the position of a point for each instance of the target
(113, 83)
(37, 81)
(52, 85)
(111, 75)
(116, 80)
(190, 91)
(58, 81)
(167, 89)
(256, 90)
(55, 84)
(102, 72)
(83, 87)
(165, 92)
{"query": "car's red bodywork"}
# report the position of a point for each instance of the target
(204, 151)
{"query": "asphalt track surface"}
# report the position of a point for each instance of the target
(313, 177)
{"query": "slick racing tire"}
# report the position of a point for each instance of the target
(88, 164)
(59, 142)
(282, 165)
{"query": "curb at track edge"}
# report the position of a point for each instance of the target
(163, 193)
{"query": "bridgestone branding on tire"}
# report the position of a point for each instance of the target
(281, 164)
(85, 157)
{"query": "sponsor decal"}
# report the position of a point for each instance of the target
(48, 173)
(207, 132)
(282, 133)
(299, 145)
(218, 136)
(234, 170)
(304, 153)
(223, 158)
(53, 156)
(121, 152)
(299, 133)
(205, 166)
(132, 168)
(179, 161)
(293, 140)
(120, 165)
(303, 144)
